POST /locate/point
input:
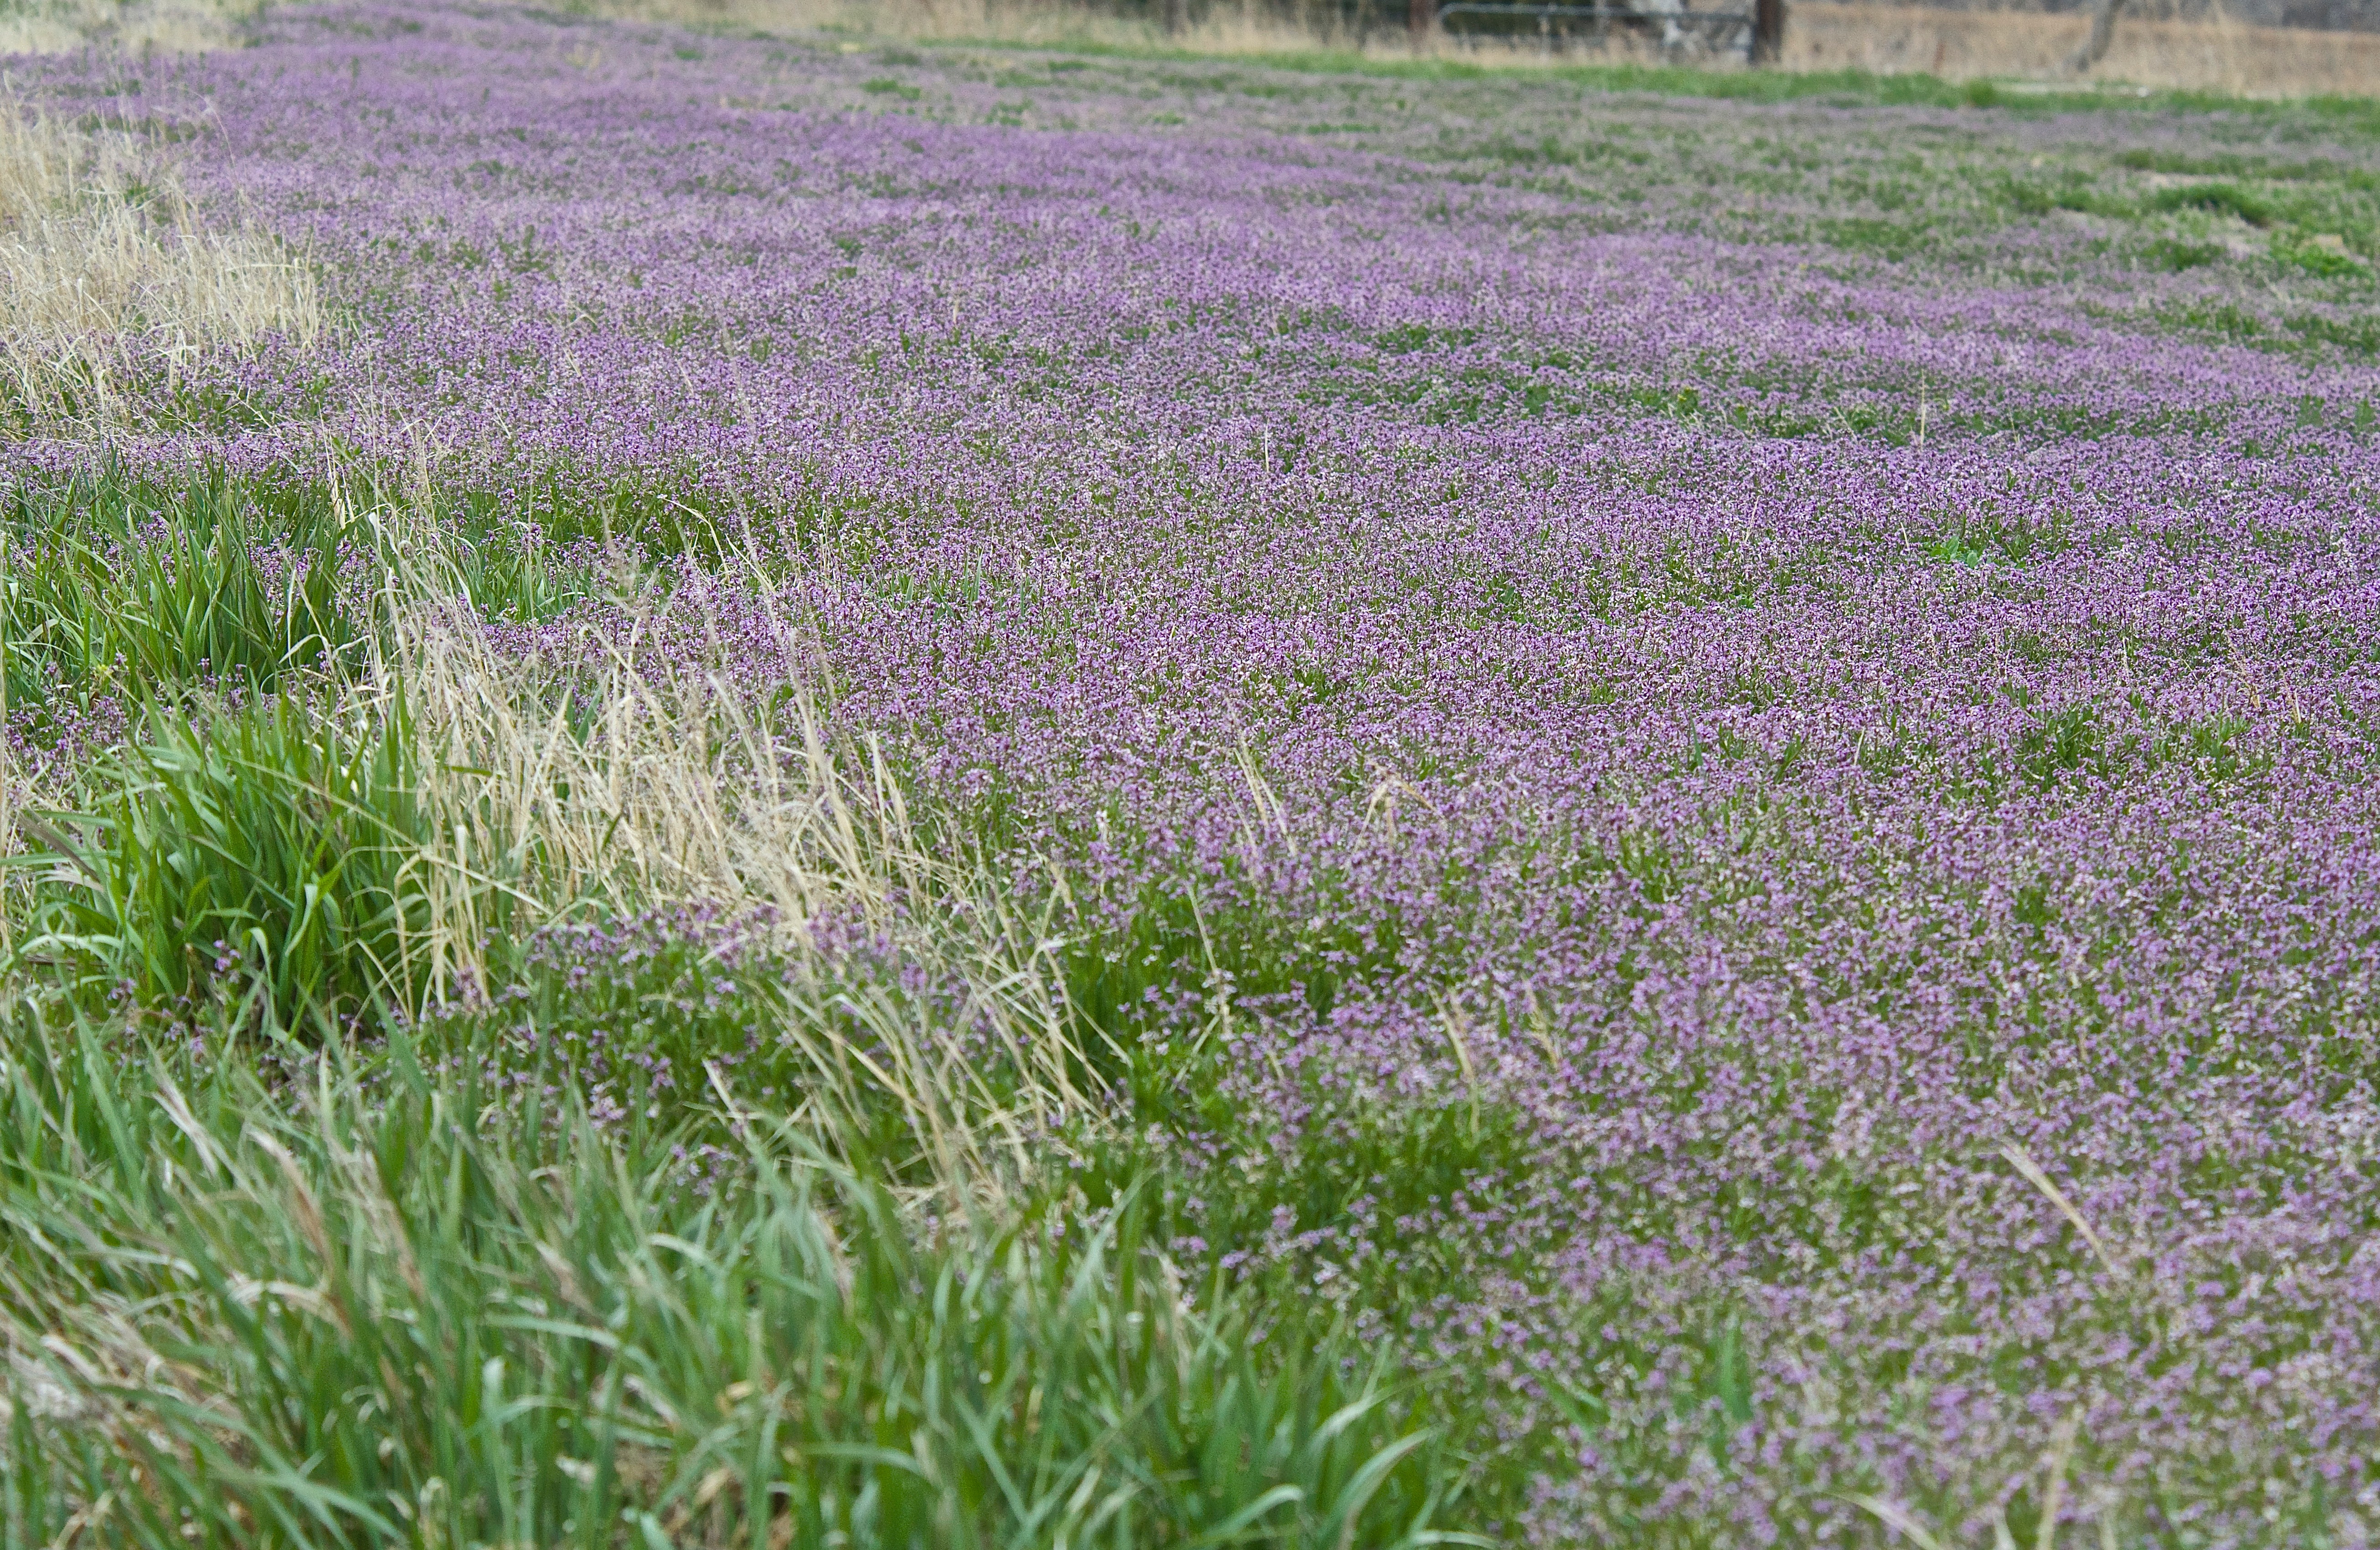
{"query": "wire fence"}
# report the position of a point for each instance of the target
(1555, 27)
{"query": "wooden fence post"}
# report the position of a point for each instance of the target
(2103, 32)
(1768, 32)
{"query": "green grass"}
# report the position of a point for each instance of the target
(272, 855)
(1847, 88)
(126, 588)
(410, 1309)
(254, 827)
(113, 588)
(638, 1233)
(321, 1225)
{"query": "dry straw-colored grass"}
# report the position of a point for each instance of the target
(674, 790)
(2217, 55)
(2205, 55)
(590, 779)
(63, 26)
(105, 276)
(2153, 47)
(581, 776)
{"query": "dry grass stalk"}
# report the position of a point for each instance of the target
(104, 275)
(2022, 1160)
(589, 777)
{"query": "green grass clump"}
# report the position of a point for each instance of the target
(2176, 255)
(118, 589)
(269, 854)
(416, 1311)
(2328, 260)
(2218, 198)
(132, 590)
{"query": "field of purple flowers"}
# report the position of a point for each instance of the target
(1707, 765)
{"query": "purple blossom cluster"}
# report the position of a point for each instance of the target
(1729, 732)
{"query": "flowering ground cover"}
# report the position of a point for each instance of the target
(1440, 803)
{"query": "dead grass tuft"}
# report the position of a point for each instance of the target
(105, 276)
(630, 790)
(172, 26)
(582, 776)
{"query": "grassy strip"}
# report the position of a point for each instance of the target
(1845, 88)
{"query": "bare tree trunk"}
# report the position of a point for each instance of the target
(1177, 17)
(1420, 15)
(2103, 32)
